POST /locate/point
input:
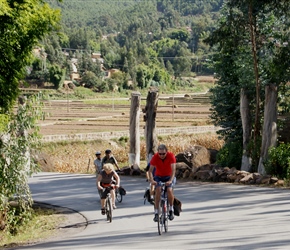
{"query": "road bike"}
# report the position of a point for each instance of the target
(109, 205)
(118, 195)
(163, 210)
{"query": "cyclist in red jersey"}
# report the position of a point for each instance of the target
(164, 163)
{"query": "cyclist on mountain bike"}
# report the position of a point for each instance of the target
(108, 178)
(165, 163)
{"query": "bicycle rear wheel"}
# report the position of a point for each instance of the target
(109, 208)
(119, 197)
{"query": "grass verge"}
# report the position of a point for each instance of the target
(43, 225)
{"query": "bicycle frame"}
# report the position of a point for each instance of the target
(109, 205)
(163, 209)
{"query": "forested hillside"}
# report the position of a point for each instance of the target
(149, 42)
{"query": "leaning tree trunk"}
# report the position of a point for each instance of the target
(134, 154)
(246, 123)
(150, 126)
(269, 138)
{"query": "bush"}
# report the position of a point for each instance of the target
(230, 155)
(278, 162)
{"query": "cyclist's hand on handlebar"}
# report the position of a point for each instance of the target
(168, 183)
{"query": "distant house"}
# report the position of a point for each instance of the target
(75, 76)
(108, 73)
(96, 55)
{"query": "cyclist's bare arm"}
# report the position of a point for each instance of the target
(99, 179)
(117, 178)
(173, 167)
(151, 175)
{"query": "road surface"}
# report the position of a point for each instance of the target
(214, 216)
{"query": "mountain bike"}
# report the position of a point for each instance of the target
(163, 210)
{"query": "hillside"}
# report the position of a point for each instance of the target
(111, 15)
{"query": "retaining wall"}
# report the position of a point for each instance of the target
(117, 134)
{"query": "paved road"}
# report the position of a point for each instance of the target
(215, 216)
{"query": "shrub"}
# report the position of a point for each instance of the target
(278, 162)
(230, 155)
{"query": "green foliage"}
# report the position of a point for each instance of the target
(254, 153)
(18, 144)
(89, 79)
(230, 155)
(236, 43)
(57, 76)
(4, 120)
(132, 34)
(278, 162)
(19, 32)
(82, 92)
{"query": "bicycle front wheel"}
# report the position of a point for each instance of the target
(160, 222)
(109, 208)
(119, 197)
(165, 216)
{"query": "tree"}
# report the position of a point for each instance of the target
(18, 143)
(19, 33)
(56, 75)
(262, 28)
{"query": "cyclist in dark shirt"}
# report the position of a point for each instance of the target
(109, 158)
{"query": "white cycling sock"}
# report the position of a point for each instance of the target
(156, 211)
(171, 208)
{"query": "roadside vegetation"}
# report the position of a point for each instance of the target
(39, 225)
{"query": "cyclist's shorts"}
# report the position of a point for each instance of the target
(164, 179)
(106, 190)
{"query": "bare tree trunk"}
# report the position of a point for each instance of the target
(246, 123)
(134, 154)
(269, 138)
(150, 126)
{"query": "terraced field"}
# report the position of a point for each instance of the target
(72, 117)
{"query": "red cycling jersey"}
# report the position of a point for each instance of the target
(163, 167)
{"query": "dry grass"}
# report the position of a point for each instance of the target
(78, 157)
(209, 79)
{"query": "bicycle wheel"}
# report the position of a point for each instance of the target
(165, 211)
(109, 208)
(119, 197)
(160, 219)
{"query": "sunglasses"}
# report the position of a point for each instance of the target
(162, 153)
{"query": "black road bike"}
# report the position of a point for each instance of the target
(163, 210)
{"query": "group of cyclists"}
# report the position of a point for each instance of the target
(161, 168)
